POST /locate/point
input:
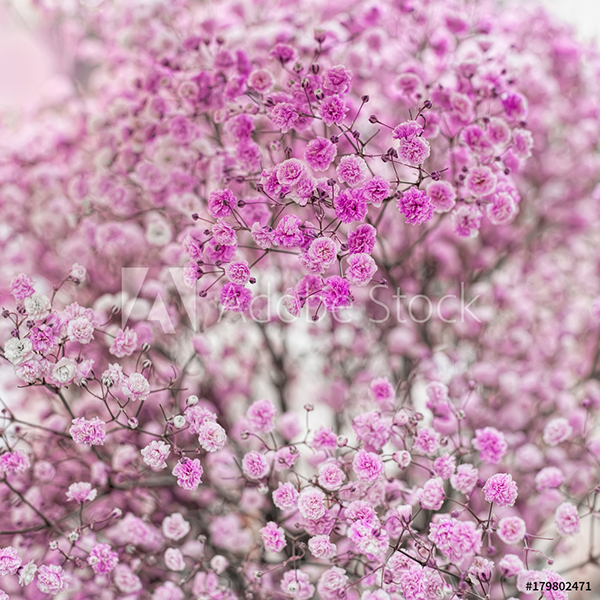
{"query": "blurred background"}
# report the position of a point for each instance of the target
(26, 61)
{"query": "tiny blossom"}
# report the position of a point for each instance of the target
(126, 580)
(37, 305)
(511, 530)
(320, 546)
(21, 287)
(402, 458)
(238, 272)
(102, 559)
(416, 206)
(261, 415)
(197, 415)
(413, 152)
(362, 239)
(136, 387)
(352, 170)
(27, 573)
(427, 441)
(51, 579)
(557, 431)
(480, 181)
(296, 584)
(211, 436)
(175, 527)
(333, 110)
(566, 519)
(285, 497)
(500, 489)
(376, 190)
(549, 478)
(382, 391)
(444, 466)
(261, 80)
(155, 454)
(337, 79)
(90, 433)
(14, 462)
(174, 559)
(455, 539)
(320, 153)
(331, 581)
(81, 492)
(273, 537)
(221, 203)
(188, 473)
(331, 477)
(467, 220)
(235, 297)
(311, 503)
(491, 444)
(442, 194)
(10, 561)
(465, 478)
(431, 495)
(255, 465)
(510, 565)
(284, 116)
(290, 171)
(360, 270)
(336, 295)
(18, 350)
(80, 329)
(124, 344)
(350, 205)
(288, 233)
(502, 209)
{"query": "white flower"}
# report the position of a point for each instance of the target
(37, 306)
(158, 232)
(64, 371)
(16, 351)
(78, 273)
(156, 453)
(27, 574)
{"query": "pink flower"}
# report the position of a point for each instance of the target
(188, 473)
(491, 444)
(549, 478)
(255, 465)
(360, 270)
(235, 298)
(126, 580)
(337, 79)
(566, 519)
(413, 152)
(500, 489)
(175, 527)
(10, 561)
(502, 209)
(333, 110)
(467, 220)
(336, 294)
(285, 497)
(443, 195)
(273, 537)
(331, 477)
(290, 172)
(155, 454)
(81, 491)
(362, 239)
(350, 205)
(124, 344)
(510, 565)
(211, 436)
(368, 466)
(288, 233)
(311, 503)
(511, 530)
(465, 478)
(261, 80)
(21, 287)
(320, 153)
(51, 579)
(416, 206)
(261, 415)
(102, 559)
(238, 272)
(14, 462)
(431, 495)
(376, 190)
(89, 433)
(320, 546)
(557, 431)
(352, 170)
(136, 387)
(80, 329)
(174, 560)
(221, 203)
(284, 116)
(480, 181)
(427, 441)
(296, 584)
